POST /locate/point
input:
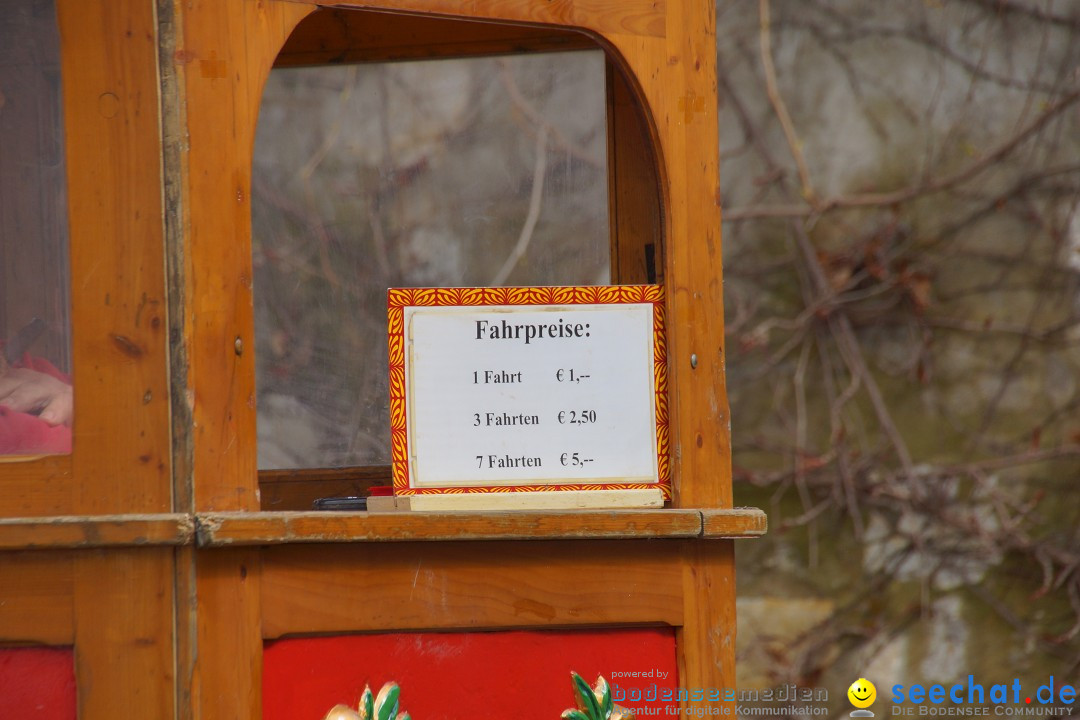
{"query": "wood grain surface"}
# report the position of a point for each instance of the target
(449, 585)
(347, 36)
(95, 531)
(121, 444)
(268, 528)
(36, 596)
(124, 641)
(630, 17)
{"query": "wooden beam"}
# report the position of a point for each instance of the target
(85, 531)
(121, 434)
(219, 622)
(124, 640)
(744, 522)
(706, 638)
(281, 528)
(220, 529)
(350, 36)
(225, 51)
(645, 18)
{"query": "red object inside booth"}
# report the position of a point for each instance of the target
(524, 675)
(25, 433)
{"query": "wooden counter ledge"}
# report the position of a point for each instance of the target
(269, 528)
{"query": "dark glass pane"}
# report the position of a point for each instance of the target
(35, 362)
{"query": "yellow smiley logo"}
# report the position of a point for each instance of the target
(862, 693)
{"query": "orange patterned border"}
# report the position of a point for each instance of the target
(400, 298)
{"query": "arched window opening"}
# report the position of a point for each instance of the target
(397, 151)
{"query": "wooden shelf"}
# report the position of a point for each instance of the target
(742, 522)
(283, 528)
(92, 531)
(234, 529)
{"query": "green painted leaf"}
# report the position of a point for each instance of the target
(404, 716)
(573, 714)
(386, 705)
(603, 696)
(367, 704)
(586, 699)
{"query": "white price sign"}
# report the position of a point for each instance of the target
(525, 395)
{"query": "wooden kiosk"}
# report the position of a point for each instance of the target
(147, 552)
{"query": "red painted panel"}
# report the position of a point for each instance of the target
(524, 675)
(37, 684)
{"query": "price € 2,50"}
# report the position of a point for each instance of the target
(577, 417)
